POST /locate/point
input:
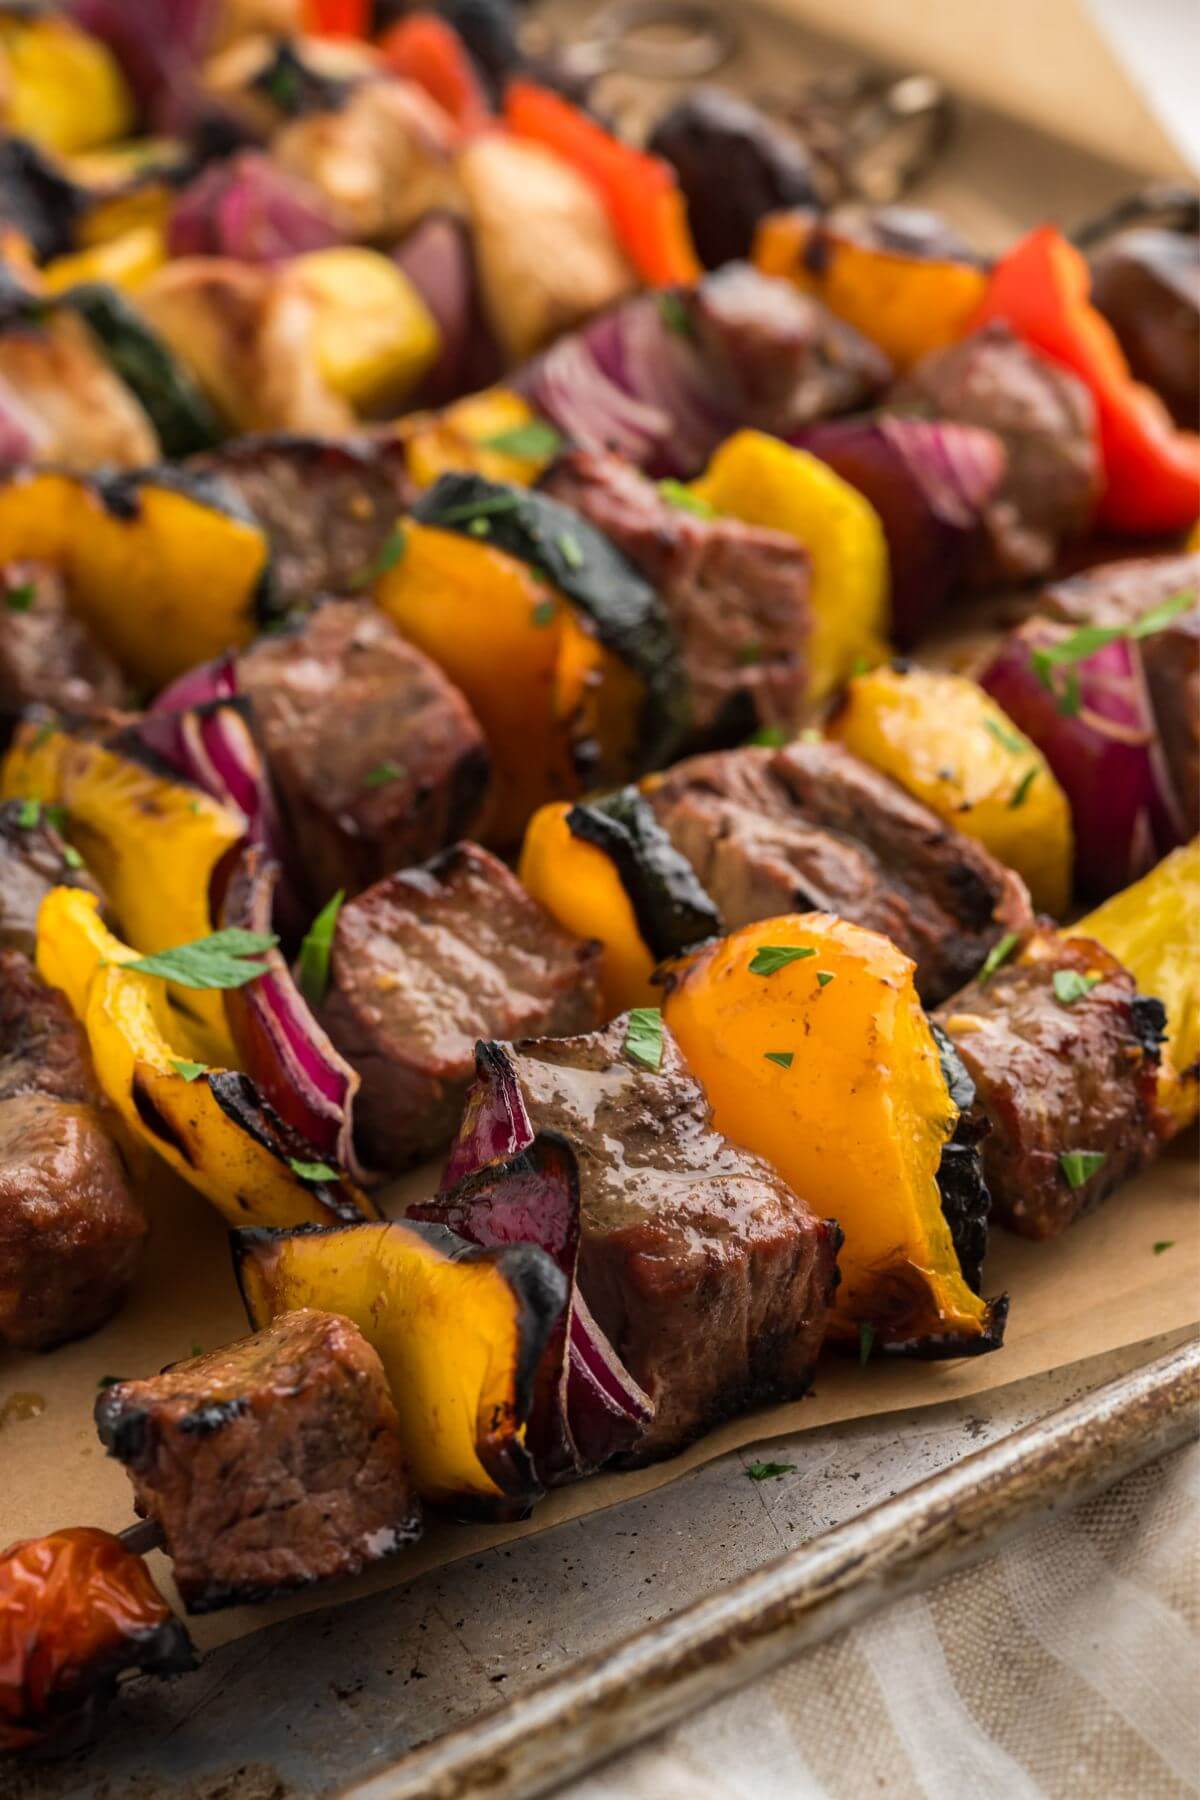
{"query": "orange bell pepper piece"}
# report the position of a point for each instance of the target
(430, 52)
(1152, 469)
(640, 192)
(337, 18)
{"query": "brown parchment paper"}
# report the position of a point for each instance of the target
(1098, 1288)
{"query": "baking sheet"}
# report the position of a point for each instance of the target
(1098, 1288)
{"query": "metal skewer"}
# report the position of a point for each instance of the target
(615, 1698)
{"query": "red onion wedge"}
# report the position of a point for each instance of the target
(1092, 719)
(930, 482)
(438, 258)
(504, 1184)
(198, 726)
(251, 209)
(282, 1047)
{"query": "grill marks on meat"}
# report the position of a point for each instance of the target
(1051, 1078)
(424, 964)
(1045, 418)
(376, 759)
(47, 656)
(269, 1464)
(33, 859)
(810, 828)
(71, 1233)
(737, 595)
(328, 507)
(708, 1275)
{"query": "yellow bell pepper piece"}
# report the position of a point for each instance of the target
(1153, 927)
(61, 87)
(123, 262)
(373, 335)
(764, 482)
(854, 1117)
(459, 438)
(946, 741)
(579, 886)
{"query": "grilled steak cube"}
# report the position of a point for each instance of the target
(1119, 594)
(709, 1277)
(1065, 1080)
(424, 964)
(47, 656)
(33, 859)
(269, 1464)
(810, 828)
(327, 506)
(1044, 417)
(376, 759)
(71, 1233)
(736, 595)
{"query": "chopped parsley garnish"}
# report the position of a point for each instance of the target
(29, 815)
(390, 552)
(56, 816)
(999, 953)
(866, 1342)
(382, 773)
(218, 961)
(20, 599)
(569, 550)
(1021, 791)
(478, 509)
(1069, 985)
(544, 613)
(770, 737)
(313, 972)
(535, 440)
(43, 734)
(765, 1471)
(1004, 736)
(782, 1057)
(643, 1036)
(190, 1071)
(480, 528)
(72, 857)
(1164, 1244)
(824, 977)
(768, 959)
(862, 665)
(675, 315)
(312, 1171)
(1080, 1165)
(1080, 644)
(749, 654)
(677, 493)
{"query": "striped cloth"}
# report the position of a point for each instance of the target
(1066, 1668)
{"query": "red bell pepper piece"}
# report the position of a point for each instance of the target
(640, 192)
(430, 52)
(1151, 469)
(337, 18)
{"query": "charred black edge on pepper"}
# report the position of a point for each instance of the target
(672, 910)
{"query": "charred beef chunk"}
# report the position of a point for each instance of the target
(734, 166)
(269, 1464)
(424, 964)
(33, 859)
(47, 655)
(376, 759)
(71, 1233)
(327, 507)
(811, 829)
(736, 595)
(709, 1277)
(1044, 417)
(1119, 594)
(1147, 285)
(1064, 1053)
(786, 359)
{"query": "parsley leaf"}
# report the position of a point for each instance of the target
(643, 1036)
(382, 773)
(478, 509)
(390, 552)
(824, 977)
(480, 528)
(313, 972)
(783, 1057)
(771, 737)
(20, 599)
(569, 549)
(72, 857)
(764, 1471)
(677, 493)
(1021, 792)
(749, 654)
(1003, 735)
(1164, 1244)
(999, 953)
(218, 961)
(675, 315)
(535, 439)
(1070, 985)
(29, 815)
(190, 1071)
(1078, 645)
(768, 959)
(312, 1171)
(866, 1342)
(544, 612)
(1080, 1165)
